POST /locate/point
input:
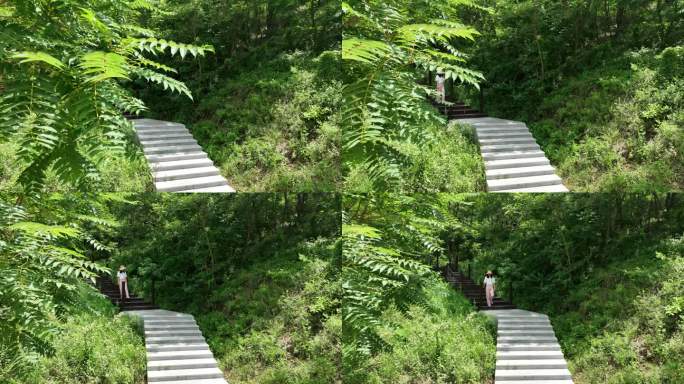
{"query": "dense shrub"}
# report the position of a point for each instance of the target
(445, 341)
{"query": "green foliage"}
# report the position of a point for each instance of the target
(96, 349)
(266, 266)
(387, 47)
(444, 342)
(267, 103)
(62, 76)
(599, 84)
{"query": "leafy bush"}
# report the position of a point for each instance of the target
(97, 349)
(443, 342)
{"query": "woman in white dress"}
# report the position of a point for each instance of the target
(439, 80)
(490, 286)
(122, 280)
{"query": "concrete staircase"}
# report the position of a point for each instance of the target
(474, 292)
(527, 351)
(177, 162)
(176, 350)
(513, 160)
(111, 290)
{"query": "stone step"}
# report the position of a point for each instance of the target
(175, 157)
(509, 147)
(532, 364)
(509, 327)
(504, 135)
(222, 188)
(163, 365)
(181, 327)
(186, 184)
(157, 131)
(526, 332)
(164, 135)
(189, 173)
(165, 316)
(203, 346)
(174, 339)
(161, 143)
(200, 381)
(523, 182)
(514, 163)
(184, 374)
(546, 188)
(527, 347)
(567, 381)
(502, 130)
(179, 355)
(173, 149)
(142, 126)
(507, 173)
(508, 140)
(512, 155)
(181, 164)
(514, 316)
(532, 374)
(168, 320)
(172, 332)
(529, 355)
(525, 338)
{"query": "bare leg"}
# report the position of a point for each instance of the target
(121, 289)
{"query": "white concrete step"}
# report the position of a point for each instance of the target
(511, 327)
(172, 332)
(222, 188)
(509, 148)
(523, 182)
(547, 188)
(159, 316)
(528, 347)
(532, 374)
(200, 381)
(514, 163)
(181, 327)
(512, 155)
(503, 135)
(184, 374)
(158, 124)
(532, 364)
(508, 140)
(163, 135)
(154, 131)
(161, 143)
(519, 316)
(173, 339)
(173, 149)
(170, 322)
(567, 381)
(175, 157)
(504, 130)
(529, 355)
(526, 332)
(165, 365)
(189, 173)
(179, 355)
(507, 173)
(175, 347)
(526, 339)
(185, 184)
(181, 164)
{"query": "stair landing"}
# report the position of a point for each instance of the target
(177, 162)
(176, 350)
(513, 160)
(527, 351)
